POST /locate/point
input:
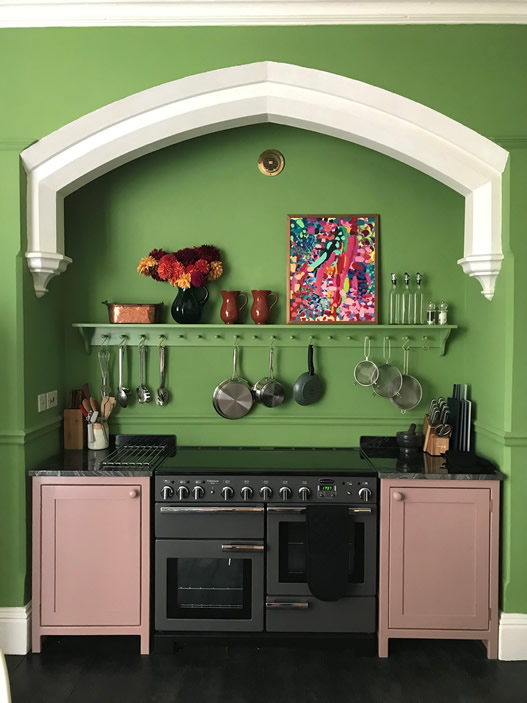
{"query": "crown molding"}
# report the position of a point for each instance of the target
(65, 13)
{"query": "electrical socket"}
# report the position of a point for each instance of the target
(52, 399)
(42, 402)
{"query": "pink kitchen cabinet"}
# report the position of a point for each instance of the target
(91, 562)
(439, 561)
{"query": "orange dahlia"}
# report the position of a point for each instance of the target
(182, 282)
(216, 269)
(146, 266)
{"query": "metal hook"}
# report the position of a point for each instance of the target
(105, 340)
(124, 340)
(162, 340)
(142, 340)
(406, 343)
(426, 346)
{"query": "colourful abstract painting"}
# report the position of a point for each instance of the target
(332, 273)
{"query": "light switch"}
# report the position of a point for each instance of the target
(42, 402)
(52, 399)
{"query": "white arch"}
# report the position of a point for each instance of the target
(307, 98)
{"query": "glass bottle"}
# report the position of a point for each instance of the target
(443, 313)
(395, 299)
(406, 302)
(431, 314)
(418, 311)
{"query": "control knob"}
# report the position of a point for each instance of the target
(198, 492)
(167, 492)
(247, 492)
(365, 494)
(266, 492)
(286, 492)
(227, 492)
(182, 492)
(304, 492)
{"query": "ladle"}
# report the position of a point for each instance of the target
(122, 392)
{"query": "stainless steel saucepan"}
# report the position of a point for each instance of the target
(268, 390)
(232, 398)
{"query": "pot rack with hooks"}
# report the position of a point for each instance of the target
(423, 337)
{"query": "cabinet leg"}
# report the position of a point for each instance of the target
(145, 644)
(36, 641)
(383, 646)
(492, 647)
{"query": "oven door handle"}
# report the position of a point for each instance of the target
(299, 511)
(277, 605)
(242, 548)
(208, 509)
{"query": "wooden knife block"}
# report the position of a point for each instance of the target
(434, 445)
(74, 435)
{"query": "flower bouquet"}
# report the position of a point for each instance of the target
(186, 269)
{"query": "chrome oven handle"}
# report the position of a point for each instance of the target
(298, 511)
(208, 509)
(270, 605)
(242, 548)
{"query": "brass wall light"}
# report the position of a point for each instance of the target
(271, 162)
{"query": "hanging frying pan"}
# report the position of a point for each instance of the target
(308, 387)
(232, 398)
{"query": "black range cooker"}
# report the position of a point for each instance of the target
(265, 540)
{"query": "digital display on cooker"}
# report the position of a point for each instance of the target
(326, 488)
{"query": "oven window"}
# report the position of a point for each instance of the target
(209, 588)
(292, 552)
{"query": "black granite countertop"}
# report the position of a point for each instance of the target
(85, 463)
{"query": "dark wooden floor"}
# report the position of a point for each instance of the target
(109, 670)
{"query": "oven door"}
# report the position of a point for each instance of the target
(209, 585)
(286, 558)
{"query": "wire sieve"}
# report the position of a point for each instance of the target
(366, 371)
(390, 379)
(411, 391)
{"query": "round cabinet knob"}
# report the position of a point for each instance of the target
(304, 493)
(286, 493)
(167, 492)
(266, 492)
(227, 492)
(198, 492)
(365, 494)
(134, 493)
(397, 496)
(182, 492)
(247, 492)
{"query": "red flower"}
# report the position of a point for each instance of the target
(158, 254)
(208, 252)
(165, 268)
(179, 269)
(187, 256)
(197, 279)
(190, 269)
(203, 266)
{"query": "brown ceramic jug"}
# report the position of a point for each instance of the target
(261, 309)
(229, 310)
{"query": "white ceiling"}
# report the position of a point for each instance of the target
(48, 13)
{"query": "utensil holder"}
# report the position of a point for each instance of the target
(101, 436)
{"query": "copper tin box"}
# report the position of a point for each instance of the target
(133, 313)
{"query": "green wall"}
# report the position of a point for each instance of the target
(209, 190)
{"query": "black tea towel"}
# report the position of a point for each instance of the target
(327, 550)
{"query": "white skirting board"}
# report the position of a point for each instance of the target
(513, 637)
(15, 629)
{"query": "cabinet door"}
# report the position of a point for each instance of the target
(439, 558)
(91, 555)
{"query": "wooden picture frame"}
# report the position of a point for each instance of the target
(332, 269)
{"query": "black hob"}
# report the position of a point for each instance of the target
(268, 460)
